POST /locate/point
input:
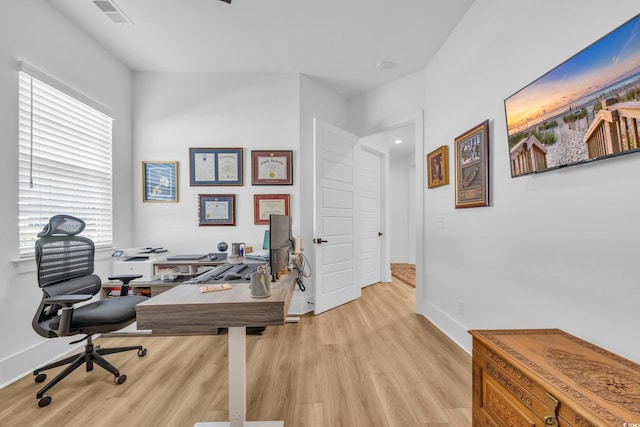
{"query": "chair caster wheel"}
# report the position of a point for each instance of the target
(44, 401)
(120, 379)
(40, 378)
(142, 352)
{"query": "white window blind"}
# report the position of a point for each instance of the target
(65, 162)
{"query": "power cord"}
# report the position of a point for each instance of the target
(300, 264)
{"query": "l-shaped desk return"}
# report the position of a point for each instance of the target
(185, 310)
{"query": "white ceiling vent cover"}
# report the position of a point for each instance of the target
(112, 11)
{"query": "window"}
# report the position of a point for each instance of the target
(64, 160)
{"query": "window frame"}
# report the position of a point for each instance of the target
(65, 158)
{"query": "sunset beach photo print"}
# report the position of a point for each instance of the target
(585, 109)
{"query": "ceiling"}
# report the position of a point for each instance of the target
(338, 43)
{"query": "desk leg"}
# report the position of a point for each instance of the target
(238, 385)
(237, 376)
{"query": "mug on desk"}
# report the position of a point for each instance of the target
(237, 250)
(259, 284)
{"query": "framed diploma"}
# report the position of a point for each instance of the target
(271, 167)
(267, 204)
(159, 181)
(217, 209)
(215, 166)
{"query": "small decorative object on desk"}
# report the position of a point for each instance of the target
(214, 288)
(222, 246)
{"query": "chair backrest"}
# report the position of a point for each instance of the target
(61, 255)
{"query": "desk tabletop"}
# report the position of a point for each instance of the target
(183, 309)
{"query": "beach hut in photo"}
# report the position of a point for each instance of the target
(528, 155)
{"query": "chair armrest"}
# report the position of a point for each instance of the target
(125, 279)
(67, 300)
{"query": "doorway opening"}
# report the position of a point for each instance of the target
(398, 210)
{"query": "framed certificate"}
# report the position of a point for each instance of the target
(217, 209)
(160, 181)
(215, 166)
(267, 204)
(271, 167)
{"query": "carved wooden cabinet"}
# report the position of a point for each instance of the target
(549, 378)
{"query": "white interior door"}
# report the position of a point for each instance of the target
(335, 225)
(370, 217)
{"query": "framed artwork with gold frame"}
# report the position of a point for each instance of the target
(438, 167)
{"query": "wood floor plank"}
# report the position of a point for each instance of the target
(371, 362)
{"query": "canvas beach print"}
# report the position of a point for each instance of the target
(583, 110)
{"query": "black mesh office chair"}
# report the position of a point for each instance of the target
(65, 274)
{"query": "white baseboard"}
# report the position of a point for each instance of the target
(451, 327)
(24, 363)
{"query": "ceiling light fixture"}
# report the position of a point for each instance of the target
(398, 141)
(226, 1)
(385, 65)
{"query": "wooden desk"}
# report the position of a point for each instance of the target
(185, 310)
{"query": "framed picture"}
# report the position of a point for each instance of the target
(267, 204)
(271, 167)
(583, 110)
(438, 167)
(215, 166)
(159, 181)
(217, 209)
(472, 167)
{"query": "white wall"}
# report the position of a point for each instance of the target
(176, 111)
(556, 249)
(401, 216)
(27, 29)
(387, 106)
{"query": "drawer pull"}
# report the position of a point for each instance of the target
(550, 418)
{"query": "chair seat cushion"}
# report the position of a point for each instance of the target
(111, 311)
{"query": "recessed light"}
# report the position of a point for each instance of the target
(385, 65)
(398, 141)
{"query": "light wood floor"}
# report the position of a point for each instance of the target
(372, 362)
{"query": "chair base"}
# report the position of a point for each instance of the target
(90, 356)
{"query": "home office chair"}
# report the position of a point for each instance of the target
(65, 275)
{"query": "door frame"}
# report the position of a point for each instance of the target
(419, 157)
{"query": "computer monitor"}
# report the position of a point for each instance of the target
(265, 241)
(280, 243)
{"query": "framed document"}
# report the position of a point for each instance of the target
(215, 166)
(271, 167)
(160, 181)
(267, 204)
(217, 209)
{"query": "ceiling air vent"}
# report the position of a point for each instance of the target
(112, 11)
